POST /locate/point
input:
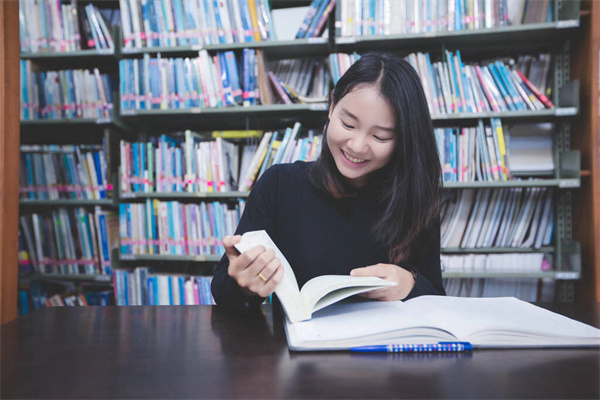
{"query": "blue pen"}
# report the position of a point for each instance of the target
(441, 347)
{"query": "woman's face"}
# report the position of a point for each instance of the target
(361, 134)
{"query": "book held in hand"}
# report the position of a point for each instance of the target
(317, 293)
(500, 322)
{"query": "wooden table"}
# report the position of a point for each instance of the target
(206, 352)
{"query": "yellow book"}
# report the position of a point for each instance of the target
(254, 19)
(237, 134)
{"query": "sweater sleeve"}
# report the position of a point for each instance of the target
(259, 213)
(427, 266)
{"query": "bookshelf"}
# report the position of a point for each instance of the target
(474, 43)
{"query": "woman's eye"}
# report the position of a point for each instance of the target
(380, 139)
(345, 125)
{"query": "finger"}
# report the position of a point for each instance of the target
(376, 294)
(270, 286)
(260, 258)
(239, 264)
(228, 243)
(372, 270)
(270, 269)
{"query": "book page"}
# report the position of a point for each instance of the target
(324, 290)
(503, 322)
(287, 291)
(349, 324)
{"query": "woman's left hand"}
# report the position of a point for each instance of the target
(404, 281)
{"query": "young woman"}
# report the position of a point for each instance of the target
(367, 207)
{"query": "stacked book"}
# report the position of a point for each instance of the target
(49, 26)
(68, 241)
(315, 20)
(53, 172)
(140, 287)
(170, 23)
(488, 218)
(193, 164)
(393, 17)
(64, 94)
(174, 228)
(300, 80)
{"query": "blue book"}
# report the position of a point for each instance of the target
(181, 94)
(98, 172)
(308, 18)
(234, 79)
(172, 248)
(123, 84)
(206, 285)
(154, 83)
(501, 86)
(454, 82)
(181, 281)
(105, 251)
(220, 25)
(507, 77)
(173, 94)
(468, 100)
(246, 21)
(180, 25)
(123, 227)
(136, 172)
(312, 29)
(227, 92)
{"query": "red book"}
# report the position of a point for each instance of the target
(536, 91)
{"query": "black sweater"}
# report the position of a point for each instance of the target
(319, 234)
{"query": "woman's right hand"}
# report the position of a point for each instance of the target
(257, 271)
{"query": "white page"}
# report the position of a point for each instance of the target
(503, 314)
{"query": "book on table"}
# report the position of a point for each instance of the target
(318, 292)
(499, 322)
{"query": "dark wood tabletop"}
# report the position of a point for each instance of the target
(207, 352)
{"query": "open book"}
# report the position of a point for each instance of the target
(484, 322)
(318, 292)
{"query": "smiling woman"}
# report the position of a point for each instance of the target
(367, 207)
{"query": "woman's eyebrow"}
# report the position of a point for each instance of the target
(354, 117)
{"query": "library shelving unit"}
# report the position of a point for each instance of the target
(79, 131)
(554, 37)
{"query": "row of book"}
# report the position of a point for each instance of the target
(169, 23)
(512, 217)
(299, 81)
(527, 289)
(473, 154)
(502, 263)
(64, 94)
(140, 287)
(495, 152)
(175, 83)
(194, 164)
(49, 26)
(175, 228)
(218, 81)
(68, 241)
(40, 293)
(52, 172)
(393, 17)
(453, 87)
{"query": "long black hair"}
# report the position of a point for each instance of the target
(409, 185)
